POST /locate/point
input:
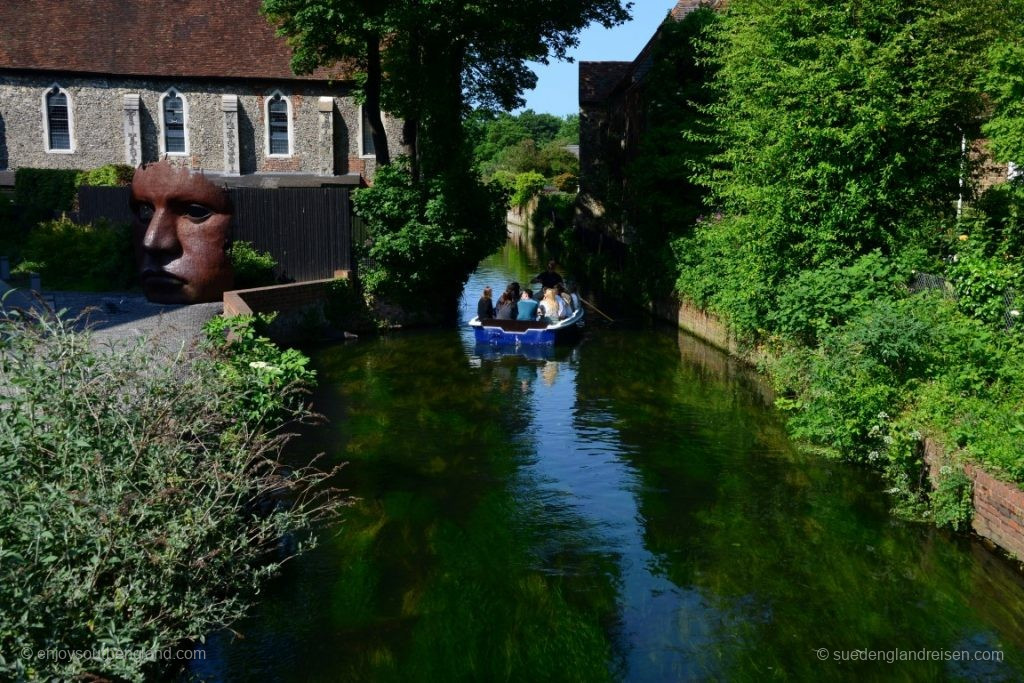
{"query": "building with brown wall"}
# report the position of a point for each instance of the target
(612, 121)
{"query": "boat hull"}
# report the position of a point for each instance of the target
(523, 333)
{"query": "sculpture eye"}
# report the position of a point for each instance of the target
(144, 212)
(197, 213)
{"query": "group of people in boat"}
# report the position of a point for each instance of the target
(555, 301)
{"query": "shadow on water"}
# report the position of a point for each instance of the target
(628, 509)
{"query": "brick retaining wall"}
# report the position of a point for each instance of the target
(297, 305)
(998, 505)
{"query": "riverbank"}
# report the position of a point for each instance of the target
(996, 502)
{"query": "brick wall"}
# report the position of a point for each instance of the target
(296, 305)
(998, 505)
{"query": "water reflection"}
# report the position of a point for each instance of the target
(626, 509)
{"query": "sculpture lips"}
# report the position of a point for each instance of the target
(161, 279)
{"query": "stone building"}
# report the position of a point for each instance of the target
(206, 85)
(612, 121)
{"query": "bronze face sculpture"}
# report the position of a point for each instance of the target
(182, 231)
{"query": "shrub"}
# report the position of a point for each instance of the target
(983, 284)
(861, 371)
(111, 175)
(45, 188)
(345, 307)
(270, 384)
(952, 499)
(252, 268)
(426, 237)
(816, 301)
(92, 257)
(528, 185)
(138, 510)
(566, 182)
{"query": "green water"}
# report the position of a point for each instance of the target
(628, 509)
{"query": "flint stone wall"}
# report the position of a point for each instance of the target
(97, 111)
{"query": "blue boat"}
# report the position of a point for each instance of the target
(527, 332)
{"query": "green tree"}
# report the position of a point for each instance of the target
(440, 56)
(1004, 83)
(841, 125)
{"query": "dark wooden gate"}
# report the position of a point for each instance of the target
(307, 229)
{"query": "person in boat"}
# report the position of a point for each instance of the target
(566, 298)
(485, 308)
(515, 290)
(571, 288)
(548, 308)
(506, 309)
(527, 306)
(549, 278)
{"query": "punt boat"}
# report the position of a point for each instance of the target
(527, 332)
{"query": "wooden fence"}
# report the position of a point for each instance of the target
(308, 230)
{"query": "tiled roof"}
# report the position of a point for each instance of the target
(598, 79)
(684, 7)
(165, 38)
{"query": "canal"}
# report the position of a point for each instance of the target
(628, 509)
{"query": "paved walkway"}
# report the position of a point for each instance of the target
(122, 315)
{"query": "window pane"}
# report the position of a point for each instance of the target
(174, 124)
(368, 148)
(57, 112)
(278, 126)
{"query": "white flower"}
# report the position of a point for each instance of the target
(1015, 313)
(259, 365)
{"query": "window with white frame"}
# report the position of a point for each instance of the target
(279, 125)
(173, 123)
(57, 119)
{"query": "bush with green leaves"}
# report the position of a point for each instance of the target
(253, 268)
(92, 257)
(984, 285)
(951, 500)
(839, 127)
(426, 236)
(271, 383)
(138, 508)
(46, 188)
(527, 186)
(816, 301)
(111, 175)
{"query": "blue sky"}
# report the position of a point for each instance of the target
(557, 89)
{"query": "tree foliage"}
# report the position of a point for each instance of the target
(1003, 82)
(439, 56)
(840, 126)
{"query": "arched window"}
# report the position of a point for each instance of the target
(174, 123)
(279, 126)
(57, 119)
(367, 148)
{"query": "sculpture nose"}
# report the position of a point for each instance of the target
(161, 233)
